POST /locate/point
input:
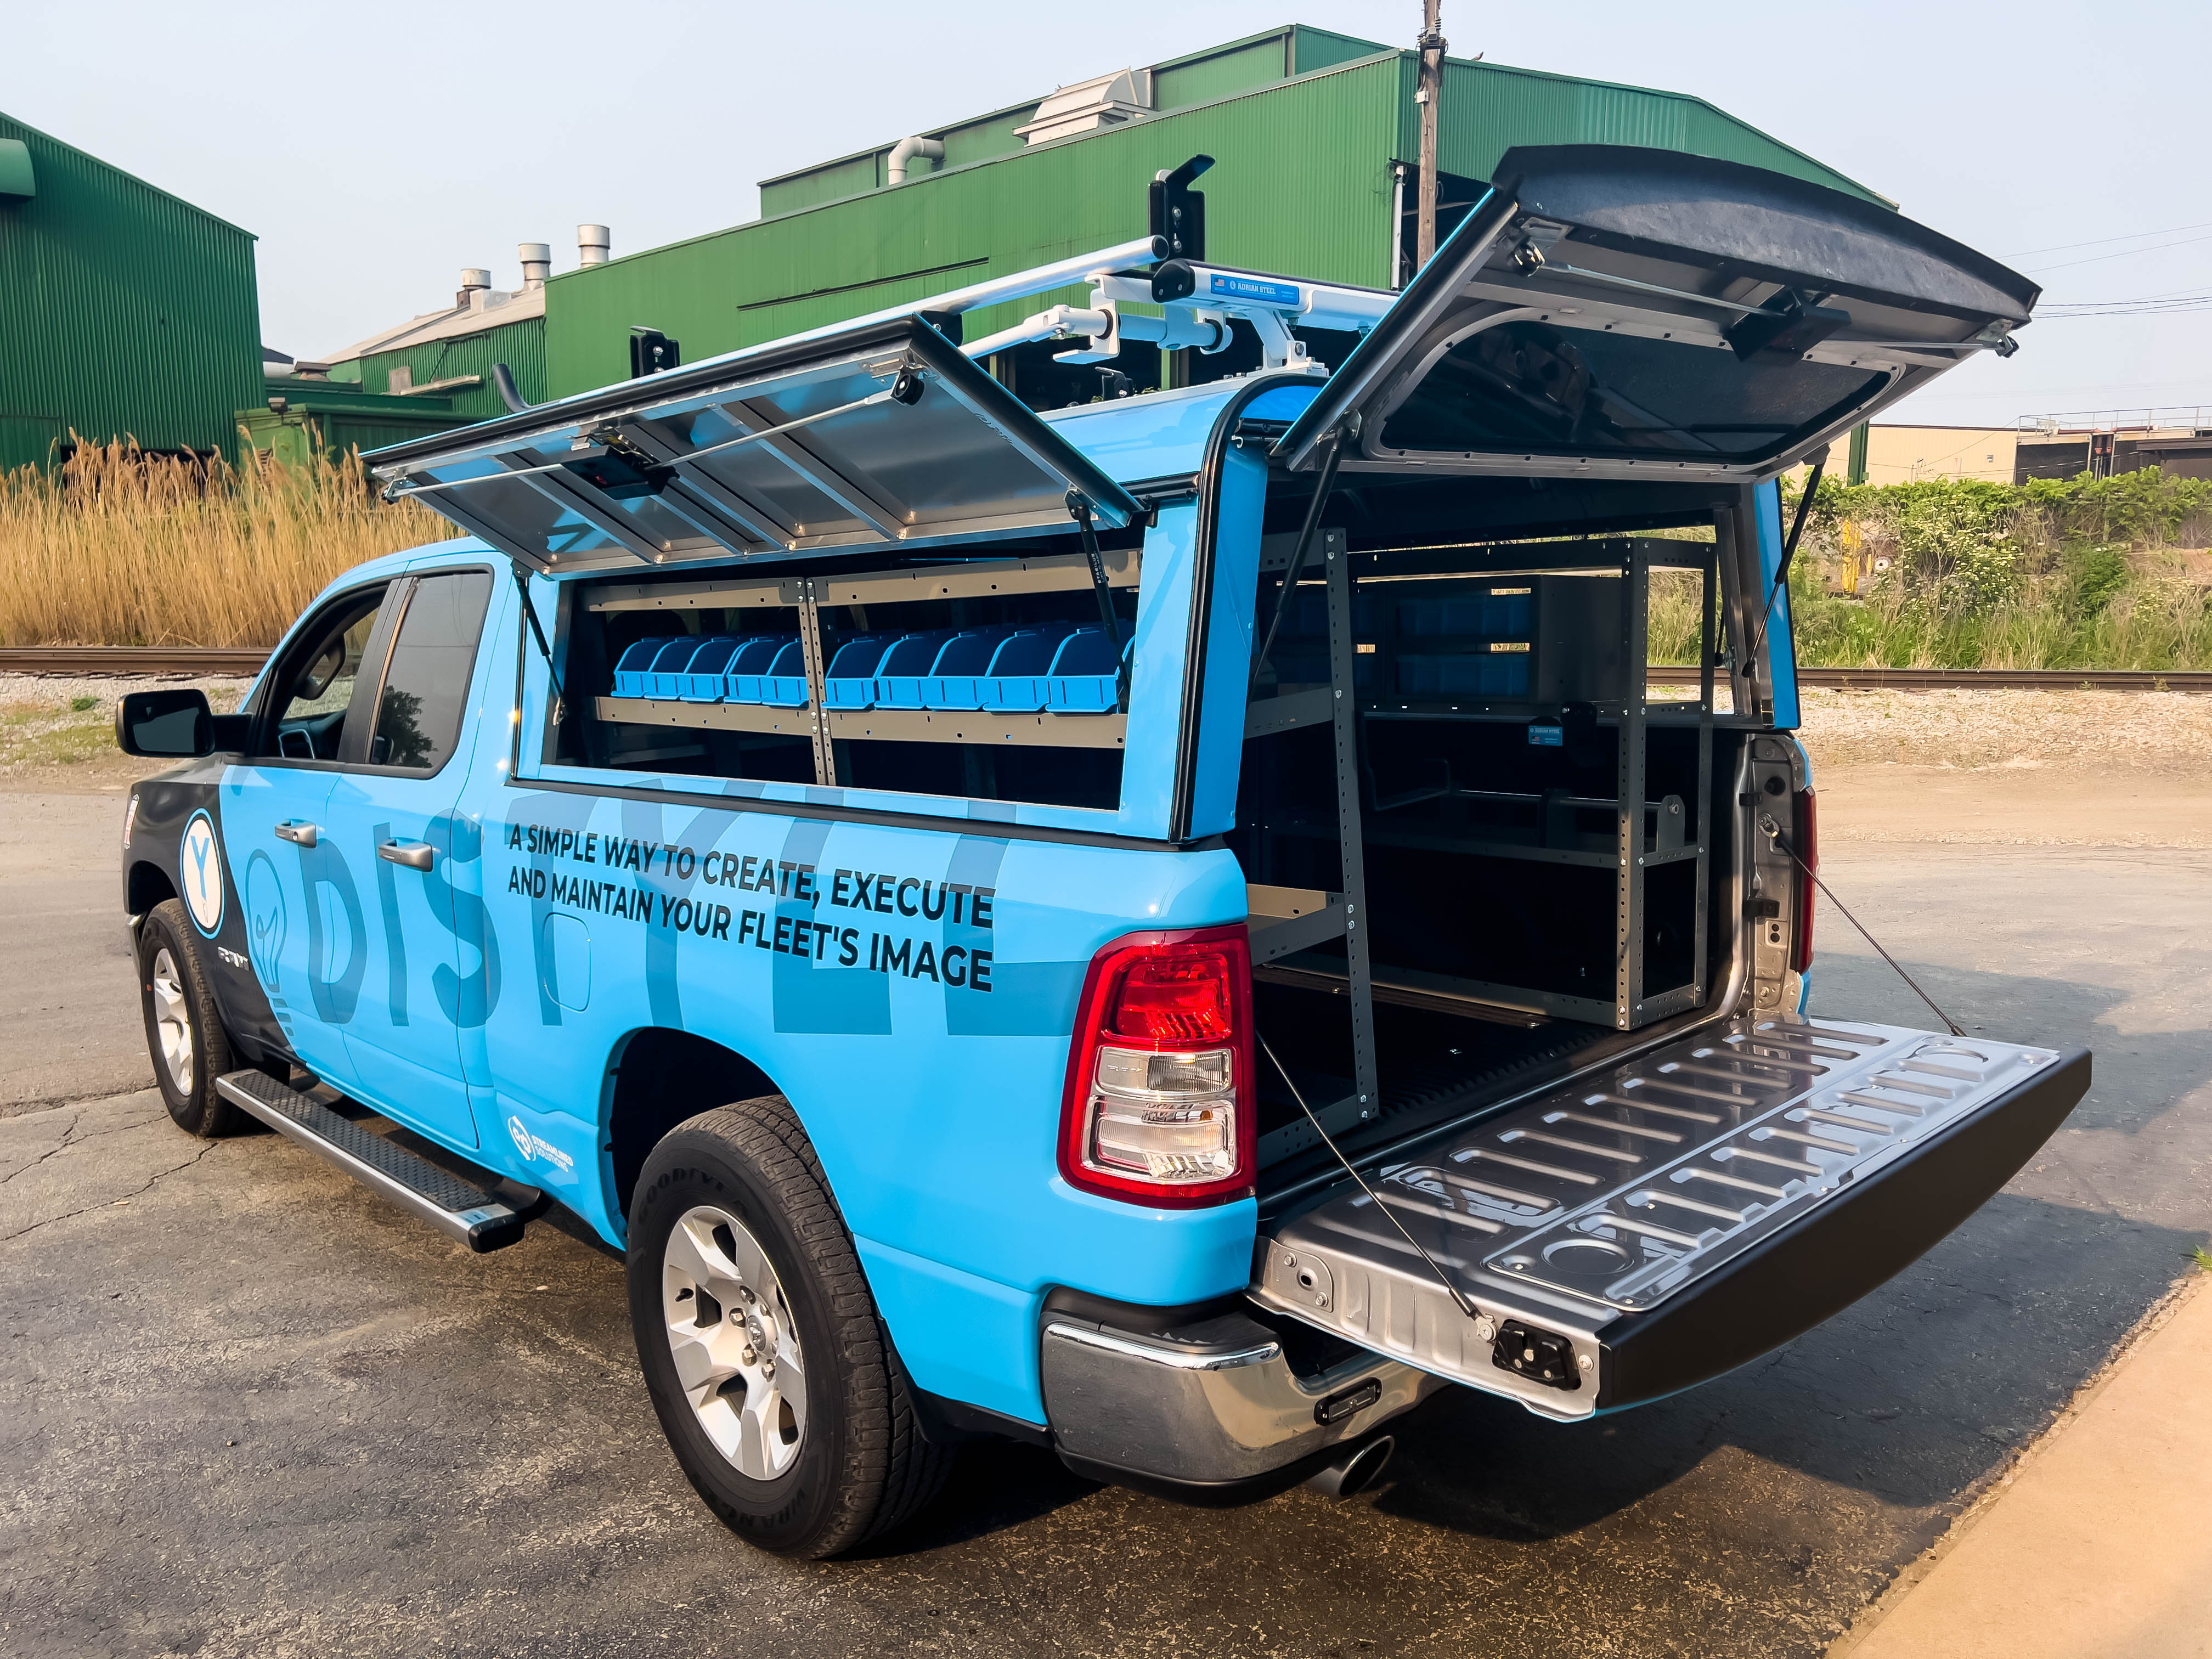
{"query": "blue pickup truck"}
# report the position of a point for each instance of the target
(1171, 927)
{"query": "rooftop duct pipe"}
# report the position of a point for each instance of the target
(536, 264)
(592, 243)
(502, 382)
(907, 149)
(475, 280)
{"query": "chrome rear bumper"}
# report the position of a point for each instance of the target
(1218, 1405)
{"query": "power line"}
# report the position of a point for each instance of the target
(2125, 253)
(2150, 305)
(2099, 241)
(2162, 294)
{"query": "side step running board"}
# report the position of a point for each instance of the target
(463, 1211)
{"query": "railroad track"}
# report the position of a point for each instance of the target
(1979, 679)
(199, 660)
(155, 659)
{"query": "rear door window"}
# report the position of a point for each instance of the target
(418, 715)
(1585, 391)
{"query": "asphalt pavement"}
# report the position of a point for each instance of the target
(253, 1409)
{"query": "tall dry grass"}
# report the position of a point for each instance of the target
(121, 548)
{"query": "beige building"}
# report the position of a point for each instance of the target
(1905, 454)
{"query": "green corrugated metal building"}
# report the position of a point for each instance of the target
(448, 354)
(124, 311)
(302, 417)
(1310, 132)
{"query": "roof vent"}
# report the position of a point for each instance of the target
(475, 280)
(592, 245)
(17, 177)
(536, 259)
(1089, 105)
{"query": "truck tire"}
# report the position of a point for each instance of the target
(184, 1030)
(768, 1365)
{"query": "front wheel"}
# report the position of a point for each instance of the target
(184, 1029)
(767, 1362)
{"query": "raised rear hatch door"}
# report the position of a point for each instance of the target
(1622, 313)
(1660, 1223)
(865, 438)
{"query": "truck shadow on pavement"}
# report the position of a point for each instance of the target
(1903, 1402)
(1908, 1398)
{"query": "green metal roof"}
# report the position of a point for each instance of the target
(1303, 184)
(1235, 66)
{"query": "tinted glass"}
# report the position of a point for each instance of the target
(1533, 387)
(418, 718)
(319, 679)
(167, 722)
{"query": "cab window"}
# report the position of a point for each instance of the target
(315, 685)
(418, 713)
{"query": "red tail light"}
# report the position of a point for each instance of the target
(1159, 1102)
(1805, 837)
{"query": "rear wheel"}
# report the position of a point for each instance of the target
(768, 1363)
(184, 1030)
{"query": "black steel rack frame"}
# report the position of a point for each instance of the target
(1285, 921)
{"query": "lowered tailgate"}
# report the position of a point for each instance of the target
(1649, 1228)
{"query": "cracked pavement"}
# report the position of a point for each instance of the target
(254, 1410)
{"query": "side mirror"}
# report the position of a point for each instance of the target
(165, 725)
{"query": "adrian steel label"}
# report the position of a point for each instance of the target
(1255, 290)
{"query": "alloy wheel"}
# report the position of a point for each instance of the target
(731, 1334)
(173, 1023)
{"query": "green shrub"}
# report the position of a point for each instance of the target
(2081, 573)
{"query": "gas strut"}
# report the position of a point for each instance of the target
(1078, 508)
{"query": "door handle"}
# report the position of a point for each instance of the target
(297, 830)
(415, 854)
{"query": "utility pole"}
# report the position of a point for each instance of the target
(1427, 94)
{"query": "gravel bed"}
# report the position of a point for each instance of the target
(2163, 732)
(57, 691)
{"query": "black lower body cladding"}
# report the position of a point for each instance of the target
(1811, 1271)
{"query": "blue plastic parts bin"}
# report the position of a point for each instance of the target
(701, 680)
(665, 677)
(1020, 675)
(1085, 678)
(955, 679)
(1502, 675)
(900, 675)
(850, 681)
(1007, 669)
(630, 668)
(784, 686)
(768, 668)
(1486, 616)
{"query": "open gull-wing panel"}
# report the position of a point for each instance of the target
(1630, 312)
(878, 435)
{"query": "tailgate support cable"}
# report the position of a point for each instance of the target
(1773, 832)
(529, 612)
(1451, 1289)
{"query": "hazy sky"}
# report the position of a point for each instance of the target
(375, 149)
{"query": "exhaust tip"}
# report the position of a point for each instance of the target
(1356, 1471)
